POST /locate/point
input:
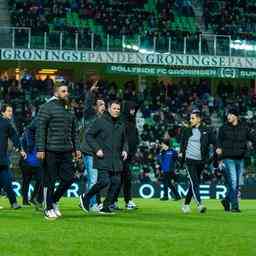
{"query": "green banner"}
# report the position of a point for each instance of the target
(182, 72)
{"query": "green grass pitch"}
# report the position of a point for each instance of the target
(156, 228)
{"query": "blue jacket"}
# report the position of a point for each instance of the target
(28, 144)
(7, 132)
(167, 159)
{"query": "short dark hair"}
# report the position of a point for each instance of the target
(57, 85)
(5, 106)
(196, 112)
(115, 101)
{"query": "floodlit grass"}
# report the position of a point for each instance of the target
(157, 228)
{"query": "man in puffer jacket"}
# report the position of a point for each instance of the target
(57, 142)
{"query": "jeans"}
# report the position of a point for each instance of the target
(91, 174)
(6, 184)
(233, 170)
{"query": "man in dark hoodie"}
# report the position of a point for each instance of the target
(129, 116)
(8, 132)
(232, 145)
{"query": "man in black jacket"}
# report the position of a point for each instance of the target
(57, 142)
(129, 114)
(8, 132)
(195, 144)
(232, 146)
(94, 108)
(107, 138)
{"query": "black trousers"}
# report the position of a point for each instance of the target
(58, 166)
(195, 169)
(30, 173)
(126, 183)
(169, 181)
(105, 179)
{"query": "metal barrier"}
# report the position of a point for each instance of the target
(203, 44)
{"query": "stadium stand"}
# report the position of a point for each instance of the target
(163, 107)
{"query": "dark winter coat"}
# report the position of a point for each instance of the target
(233, 140)
(108, 135)
(7, 132)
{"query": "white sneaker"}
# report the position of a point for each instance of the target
(50, 215)
(94, 209)
(185, 208)
(131, 205)
(56, 210)
(201, 208)
(100, 206)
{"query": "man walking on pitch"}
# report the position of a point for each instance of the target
(232, 146)
(94, 108)
(8, 132)
(107, 138)
(195, 144)
(57, 143)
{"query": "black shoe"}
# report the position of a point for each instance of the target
(26, 204)
(106, 210)
(235, 210)
(15, 206)
(84, 203)
(165, 198)
(226, 205)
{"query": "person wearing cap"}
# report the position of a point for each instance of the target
(231, 148)
(196, 140)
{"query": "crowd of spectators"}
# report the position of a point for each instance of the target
(163, 107)
(116, 17)
(231, 17)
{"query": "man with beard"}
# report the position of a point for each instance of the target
(107, 138)
(232, 146)
(57, 141)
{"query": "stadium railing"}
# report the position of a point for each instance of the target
(202, 44)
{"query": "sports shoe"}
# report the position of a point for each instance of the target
(100, 206)
(236, 210)
(226, 205)
(107, 210)
(201, 208)
(131, 205)
(94, 209)
(26, 205)
(15, 206)
(50, 215)
(56, 210)
(84, 203)
(115, 207)
(185, 208)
